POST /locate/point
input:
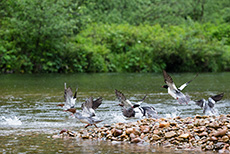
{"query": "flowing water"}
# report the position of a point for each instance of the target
(29, 115)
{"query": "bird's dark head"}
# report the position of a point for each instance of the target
(72, 110)
(122, 105)
(165, 86)
(135, 105)
(61, 105)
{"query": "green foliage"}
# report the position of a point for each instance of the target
(114, 36)
(144, 48)
(37, 29)
(163, 12)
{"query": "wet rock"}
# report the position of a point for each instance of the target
(132, 136)
(116, 132)
(213, 124)
(207, 132)
(155, 137)
(85, 136)
(170, 134)
(107, 125)
(136, 140)
(164, 124)
(129, 131)
(203, 134)
(209, 147)
(225, 138)
(221, 132)
(213, 138)
(185, 136)
(198, 117)
(145, 129)
(189, 126)
(109, 136)
(224, 149)
(124, 136)
(219, 145)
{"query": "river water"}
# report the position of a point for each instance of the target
(29, 115)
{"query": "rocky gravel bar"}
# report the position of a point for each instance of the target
(207, 133)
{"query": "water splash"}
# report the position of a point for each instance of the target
(12, 121)
(174, 113)
(115, 117)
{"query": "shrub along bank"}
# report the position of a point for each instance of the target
(127, 48)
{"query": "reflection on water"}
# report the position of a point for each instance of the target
(42, 143)
(28, 102)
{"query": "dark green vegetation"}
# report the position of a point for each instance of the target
(114, 36)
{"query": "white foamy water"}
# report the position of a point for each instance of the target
(11, 121)
(173, 113)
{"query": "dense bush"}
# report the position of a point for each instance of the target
(144, 48)
(114, 36)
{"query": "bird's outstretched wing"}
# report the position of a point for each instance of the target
(121, 97)
(69, 98)
(68, 93)
(217, 97)
(200, 103)
(139, 102)
(168, 80)
(213, 99)
(87, 109)
(142, 99)
(97, 103)
(89, 106)
(167, 77)
(185, 84)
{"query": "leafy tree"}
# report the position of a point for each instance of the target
(39, 30)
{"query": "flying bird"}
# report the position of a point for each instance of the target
(174, 91)
(135, 110)
(208, 105)
(70, 99)
(88, 115)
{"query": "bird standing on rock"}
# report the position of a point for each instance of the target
(174, 91)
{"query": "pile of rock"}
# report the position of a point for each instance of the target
(205, 132)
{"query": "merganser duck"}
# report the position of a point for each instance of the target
(174, 91)
(208, 105)
(70, 100)
(129, 110)
(88, 112)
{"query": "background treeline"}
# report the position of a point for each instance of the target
(38, 36)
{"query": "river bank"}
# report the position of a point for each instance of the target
(201, 133)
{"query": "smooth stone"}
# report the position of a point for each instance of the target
(136, 131)
(136, 140)
(203, 134)
(189, 126)
(213, 138)
(116, 132)
(129, 131)
(132, 136)
(155, 137)
(145, 129)
(220, 132)
(164, 124)
(225, 138)
(186, 135)
(170, 134)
